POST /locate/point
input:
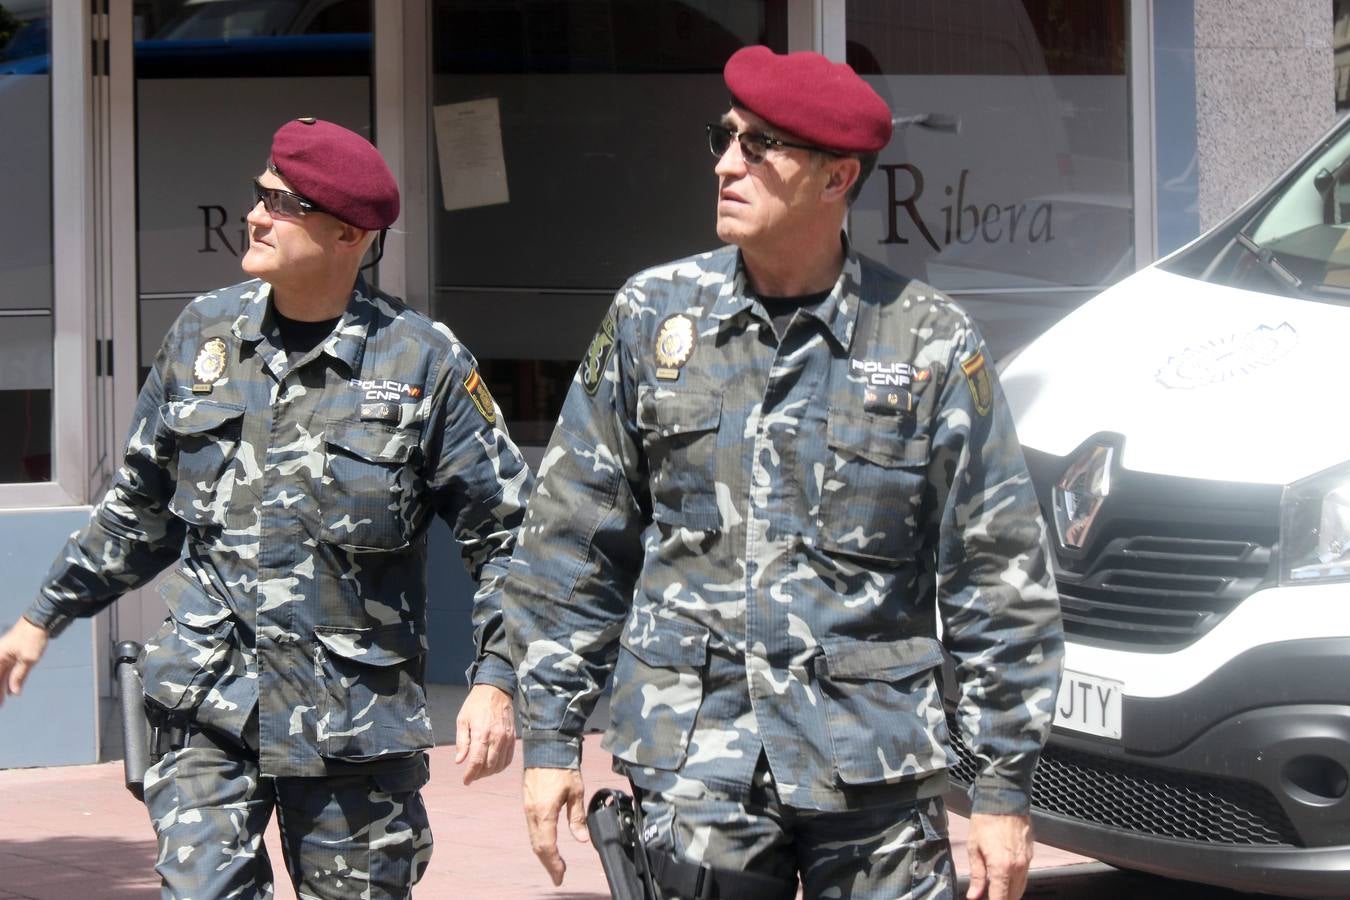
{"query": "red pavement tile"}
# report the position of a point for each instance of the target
(78, 835)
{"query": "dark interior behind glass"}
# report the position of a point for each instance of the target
(602, 107)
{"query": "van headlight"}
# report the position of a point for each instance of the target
(1315, 528)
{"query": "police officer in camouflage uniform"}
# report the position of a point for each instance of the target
(784, 480)
(292, 442)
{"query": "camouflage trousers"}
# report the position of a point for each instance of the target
(888, 852)
(348, 836)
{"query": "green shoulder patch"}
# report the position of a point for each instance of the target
(481, 397)
(977, 379)
(597, 355)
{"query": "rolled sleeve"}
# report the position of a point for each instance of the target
(573, 574)
(551, 751)
(131, 536)
(479, 481)
(996, 593)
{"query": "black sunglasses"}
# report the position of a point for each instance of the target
(754, 146)
(282, 204)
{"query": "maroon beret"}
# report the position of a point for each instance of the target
(822, 102)
(340, 171)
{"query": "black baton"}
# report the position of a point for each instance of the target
(135, 726)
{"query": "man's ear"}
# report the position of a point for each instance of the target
(844, 174)
(351, 238)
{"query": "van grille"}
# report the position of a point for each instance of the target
(1146, 801)
(1161, 591)
(1168, 559)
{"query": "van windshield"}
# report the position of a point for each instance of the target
(1298, 242)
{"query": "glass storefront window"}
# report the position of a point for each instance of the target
(570, 153)
(213, 81)
(1026, 208)
(26, 289)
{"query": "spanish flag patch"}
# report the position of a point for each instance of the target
(481, 397)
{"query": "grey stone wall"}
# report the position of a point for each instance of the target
(1264, 91)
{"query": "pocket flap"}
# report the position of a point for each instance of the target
(193, 416)
(190, 604)
(371, 440)
(385, 645)
(672, 642)
(849, 659)
(875, 438)
(695, 512)
(672, 411)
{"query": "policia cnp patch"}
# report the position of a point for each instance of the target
(481, 397)
(977, 379)
(597, 355)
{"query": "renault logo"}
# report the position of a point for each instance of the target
(1079, 495)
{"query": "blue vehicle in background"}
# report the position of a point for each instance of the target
(24, 41)
(216, 38)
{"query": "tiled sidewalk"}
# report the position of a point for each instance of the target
(74, 833)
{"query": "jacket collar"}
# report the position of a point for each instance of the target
(348, 340)
(838, 313)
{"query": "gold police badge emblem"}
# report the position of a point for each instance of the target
(209, 366)
(674, 346)
(977, 378)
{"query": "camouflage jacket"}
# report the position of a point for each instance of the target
(295, 501)
(770, 542)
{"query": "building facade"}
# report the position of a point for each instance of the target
(547, 150)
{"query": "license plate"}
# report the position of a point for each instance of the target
(1089, 704)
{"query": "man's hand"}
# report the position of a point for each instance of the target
(485, 732)
(1000, 854)
(546, 792)
(20, 649)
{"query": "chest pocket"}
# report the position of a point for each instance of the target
(207, 433)
(872, 488)
(366, 498)
(679, 437)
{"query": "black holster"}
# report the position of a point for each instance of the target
(635, 872)
(612, 822)
(168, 730)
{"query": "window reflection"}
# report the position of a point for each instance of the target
(601, 106)
(1028, 208)
(213, 82)
(26, 291)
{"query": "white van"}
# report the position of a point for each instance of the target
(1188, 431)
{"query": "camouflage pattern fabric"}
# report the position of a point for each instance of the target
(356, 836)
(296, 501)
(894, 851)
(770, 543)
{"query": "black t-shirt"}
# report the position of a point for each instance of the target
(298, 338)
(780, 309)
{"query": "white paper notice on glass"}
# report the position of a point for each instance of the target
(469, 149)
